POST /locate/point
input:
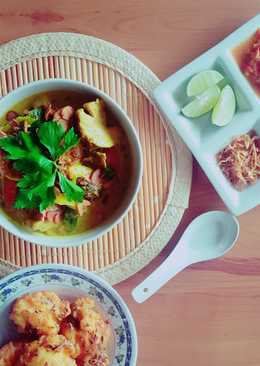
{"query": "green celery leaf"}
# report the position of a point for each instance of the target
(28, 142)
(28, 180)
(36, 191)
(35, 153)
(23, 201)
(48, 200)
(34, 129)
(33, 162)
(36, 187)
(44, 163)
(23, 147)
(12, 146)
(50, 135)
(25, 166)
(41, 185)
(72, 191)
(70, 139)
(35, 125)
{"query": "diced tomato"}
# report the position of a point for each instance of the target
(9, 192)
(114, 159)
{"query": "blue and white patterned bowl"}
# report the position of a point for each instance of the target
(71, 282)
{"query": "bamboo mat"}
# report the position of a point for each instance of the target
(167, 163)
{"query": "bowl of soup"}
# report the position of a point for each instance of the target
(70, 162)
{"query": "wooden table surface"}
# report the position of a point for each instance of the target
(209, 315)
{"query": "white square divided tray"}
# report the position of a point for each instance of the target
(203, 138)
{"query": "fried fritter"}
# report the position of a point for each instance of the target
(83, 310)
(10, 353)
(87, 352)
(95, 357)
(40, 313)
(83, 338)
(53, 350)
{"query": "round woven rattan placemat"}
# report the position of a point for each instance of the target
(167, 163)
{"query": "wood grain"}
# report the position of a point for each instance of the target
(209, 315)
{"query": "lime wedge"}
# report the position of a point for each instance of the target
(224, 110)
(203, 103)
(202, 81)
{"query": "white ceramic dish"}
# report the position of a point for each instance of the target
(71, 282)
(36, 87)
(203, 138)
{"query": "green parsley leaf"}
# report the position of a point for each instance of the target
(36, 190)
(12, 146)
(36, 168)
(27, 150)
(28, 180)
(72, 191)
(50, 135)
(23, 147)
(70, 139)
(28, 142)
(41, 184)
(25, 166)
(22, 200)
(44, 163)
(35, 125)
(53, 137)
(48, 200)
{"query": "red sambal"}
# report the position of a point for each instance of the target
(251, 62)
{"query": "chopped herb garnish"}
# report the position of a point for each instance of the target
(70, 139)
(34, 115)
(70, 218)
(39, 172)
(72, 191)
(92, 191)
(53, 137)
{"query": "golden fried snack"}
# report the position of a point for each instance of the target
(91, 321)
(87, 352)
(81, 339)
(10, 353)
(54, 350)
(40, 312)
(94, 357)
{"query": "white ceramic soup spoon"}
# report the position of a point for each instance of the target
(208, 236)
